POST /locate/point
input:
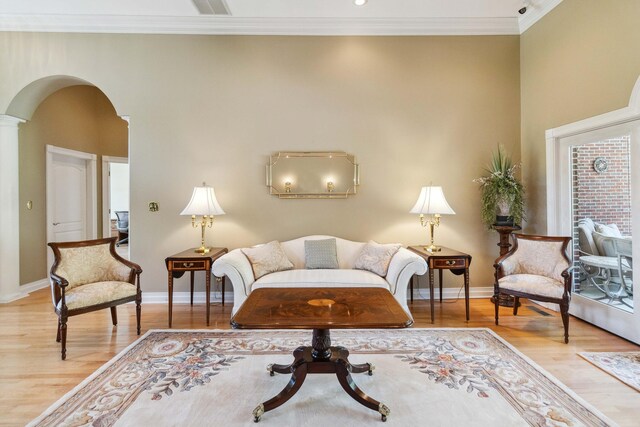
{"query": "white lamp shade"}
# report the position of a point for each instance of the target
(431, 201)
(203, 202)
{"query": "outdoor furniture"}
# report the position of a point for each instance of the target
(598, 270)
(122, 225)
(625, 269)
(605, 260)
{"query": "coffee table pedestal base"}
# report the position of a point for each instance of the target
(321, 358)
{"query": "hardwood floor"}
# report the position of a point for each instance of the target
(32, 376)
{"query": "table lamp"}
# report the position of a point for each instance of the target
(431, 202)
(203, 203)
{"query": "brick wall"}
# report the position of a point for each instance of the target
(603, 197)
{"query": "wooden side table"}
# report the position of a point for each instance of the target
(192, 261)
(447, 259)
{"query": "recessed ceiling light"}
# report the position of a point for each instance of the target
(359, 2)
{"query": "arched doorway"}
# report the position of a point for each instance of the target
(59, 111)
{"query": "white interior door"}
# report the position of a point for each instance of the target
(71, 196)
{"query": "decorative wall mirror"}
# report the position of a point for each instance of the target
(312, 175)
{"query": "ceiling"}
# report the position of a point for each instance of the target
(303, 17)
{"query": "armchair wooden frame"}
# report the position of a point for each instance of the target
(59, 284)
(566, 275)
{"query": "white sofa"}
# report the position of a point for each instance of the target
(236, 266)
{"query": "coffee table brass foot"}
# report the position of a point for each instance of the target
(257, 413)
(384, 411)
(362, 367)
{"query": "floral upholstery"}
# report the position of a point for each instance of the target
(89, 275)
(532, 284)
(540, 258)
(536, 268)
(97, 293)
(90, 264)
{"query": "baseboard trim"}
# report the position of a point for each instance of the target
(199, 297)
(34, 286)
(13, 297)
(453, 293)
(184, 297)
(24, 290)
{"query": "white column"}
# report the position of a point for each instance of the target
(9, 211)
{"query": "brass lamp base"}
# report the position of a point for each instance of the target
(433, 222)
(202, 250)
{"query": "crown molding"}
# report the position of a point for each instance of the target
(220, 25)
(536, 12)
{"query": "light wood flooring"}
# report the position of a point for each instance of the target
(32, 376)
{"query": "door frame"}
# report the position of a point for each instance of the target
(92, 190)
(617, 321)
(106, 191)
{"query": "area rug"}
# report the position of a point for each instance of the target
(435, 377)
(625, 366)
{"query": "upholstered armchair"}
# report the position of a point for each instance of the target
(88, 276)
(536, 267)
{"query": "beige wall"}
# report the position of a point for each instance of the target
(79, 118)
(579, 61)
(414, 110)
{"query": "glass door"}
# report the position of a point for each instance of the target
(597, 192)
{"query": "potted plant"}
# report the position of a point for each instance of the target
(502, 193)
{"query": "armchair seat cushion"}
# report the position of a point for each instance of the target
(97, 293)
(532, 284)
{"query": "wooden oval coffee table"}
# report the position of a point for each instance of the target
(320, 309)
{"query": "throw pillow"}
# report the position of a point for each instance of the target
(610, 230)
(376, 257)
(267, 258)
(320, 254)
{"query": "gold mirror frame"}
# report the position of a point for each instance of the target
(312, 175)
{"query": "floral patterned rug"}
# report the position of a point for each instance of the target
(439, 377)
(625, 366)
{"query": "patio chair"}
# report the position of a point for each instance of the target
(122, 225)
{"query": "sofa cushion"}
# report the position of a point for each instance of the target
(267, 258)
(375, 257)
(320, 254)
(319, 278)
